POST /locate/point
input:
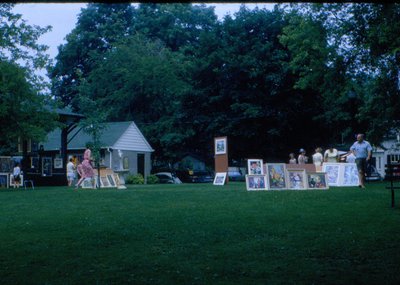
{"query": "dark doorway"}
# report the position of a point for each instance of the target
(140, 163)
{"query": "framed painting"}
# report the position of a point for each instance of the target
(35, 163)
(256, 182)
(350, 175)
(220, 178)
(47, 166)
(58, 163)
(5, 164)
(220, 145)
(317, 180)
(255, 166)
(4, 180)
(88, 183)
(111, 180)
(104, 183)
(116, 179)
(332, 171)
(276, 175)
(296, 179)
(12, 182)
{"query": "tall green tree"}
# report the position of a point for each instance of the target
(141, 80)
(244, 89)
(19, 44)
(22, 107)
(364, 38)
(22, 110)
(98, 28)
(178, 25)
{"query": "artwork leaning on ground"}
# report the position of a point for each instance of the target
(297, 179)
(255, 166)
(341, 174)
(276, 175)
(219, 178)
(349, 175)
(332, 170)
(256, 182)
(317, 180)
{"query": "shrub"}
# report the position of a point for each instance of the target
(152, 179)
(134, 179)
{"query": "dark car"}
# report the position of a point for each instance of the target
(188, 176)
(168, 178)
(236, 175)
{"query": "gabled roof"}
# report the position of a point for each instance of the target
(118, 135)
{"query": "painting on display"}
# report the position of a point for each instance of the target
(104, 181)
(220, 146)
(5, 164)
(220, 178)
(276, 175)
(12, 182)
(255, 167)
(58, 163)
(47, 166)
(256, 182)
(111, 180)
(35, 163)
(332, 171)
(296, 179)
(350, 175)
(317, 180)
(3, 180)
(88, 183)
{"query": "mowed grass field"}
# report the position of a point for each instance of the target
(199, 234)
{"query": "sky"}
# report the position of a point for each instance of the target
(63, 17)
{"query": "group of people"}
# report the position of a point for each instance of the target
(83, 169)
(360, 153)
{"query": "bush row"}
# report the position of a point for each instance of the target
(139, 179)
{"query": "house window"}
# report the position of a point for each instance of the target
(394, 158)
(28, 145)
(125, 162)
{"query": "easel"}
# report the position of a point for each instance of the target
(221, 155)
(390, 168)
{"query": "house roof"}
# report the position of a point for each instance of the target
(117, 135)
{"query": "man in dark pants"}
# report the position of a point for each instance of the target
(362, 151)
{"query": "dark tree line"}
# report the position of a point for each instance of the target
(299, 75)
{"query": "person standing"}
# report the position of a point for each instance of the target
(362, 150)
(331, 155)
(87, 169)
(70, 171)
(292, 158)
(17, 175)
(317, 157)
(302, 158)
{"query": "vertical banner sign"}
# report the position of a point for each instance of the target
(221, 155)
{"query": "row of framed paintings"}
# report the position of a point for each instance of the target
(280, 178)
(7, 180)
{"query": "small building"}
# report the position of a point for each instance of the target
(388, 151)
(124, 149)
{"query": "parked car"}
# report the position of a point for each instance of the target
(236, 175)
(168, 178)
(373, 174)
(189, 176)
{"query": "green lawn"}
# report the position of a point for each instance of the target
(199, 234)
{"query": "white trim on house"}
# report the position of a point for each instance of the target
(133, 139)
